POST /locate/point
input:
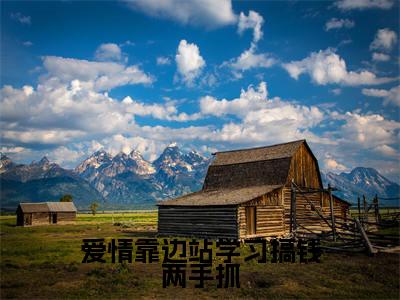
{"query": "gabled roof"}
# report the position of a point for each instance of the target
(286, 150)
(48, 207)
(62, 206)
(221, 197)
(239, 176)
(34, 207)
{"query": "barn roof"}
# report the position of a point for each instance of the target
(266, 172)
(221, 197)
(286, 150)
(62, 206)
(34, 207)
(239, 176)
(48, 207)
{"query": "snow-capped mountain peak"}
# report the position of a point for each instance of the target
(362, 181)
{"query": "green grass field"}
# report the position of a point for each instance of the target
(44, 262)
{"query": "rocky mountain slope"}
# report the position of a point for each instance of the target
(41, 181)
(130, 181)
(362, 181)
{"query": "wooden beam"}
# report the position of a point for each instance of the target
(332, 213)
(367, 243)
(292, 208)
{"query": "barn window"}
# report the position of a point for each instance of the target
(251, 220)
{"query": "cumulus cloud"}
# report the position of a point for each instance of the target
(380, 56)
(101, 75)
(250, 59)
(335, 23)
(108, 52)
(363, 4)
(391, 96)
(72, 119)
(261, 119)
(26, 20)
(58, 112)
(367, 131)
(253, 21)
(162, 60)
(332, 165)
(208, 13)
(384, 39)
(162, 112)
(189, 62)
(327, 67)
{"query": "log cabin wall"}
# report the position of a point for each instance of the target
(40, 218)
(198, 221)
(309, 218)
(63, 217)
(269, 216)
(340, 208)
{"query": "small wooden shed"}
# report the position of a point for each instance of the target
(249, 193)
(45, 213)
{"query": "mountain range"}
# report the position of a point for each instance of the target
(130, 181)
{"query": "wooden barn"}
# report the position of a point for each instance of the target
(45, 213)
(259, 192)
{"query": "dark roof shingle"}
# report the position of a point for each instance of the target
(285, 150)
(221, 197)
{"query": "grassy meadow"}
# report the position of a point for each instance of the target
(44, 262)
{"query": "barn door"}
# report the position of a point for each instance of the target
(55, 218)
(251, 220)
(28, 219)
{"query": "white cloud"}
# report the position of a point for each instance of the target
(66, 156)
(101, 75)
(26, 20)
(127, 43)
(380, 56)
(367, 131)
(336, 91)
(189, 61)
(391, 96)
(253, 21)
(208, 13)
(332, 165)
(71, 119)
(327, 67)
(57, 112)
(162, 60)
(387, 151)
(249, 59)
(162, 112)
(363, 4)
(108, 52)
(335, 23)
(385, 39)
(263, 120)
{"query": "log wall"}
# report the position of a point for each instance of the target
(269, 221)
(66, 217)
(198, 221)
(308, 218)
(40, 218)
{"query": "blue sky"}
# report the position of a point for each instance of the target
(79, 76)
